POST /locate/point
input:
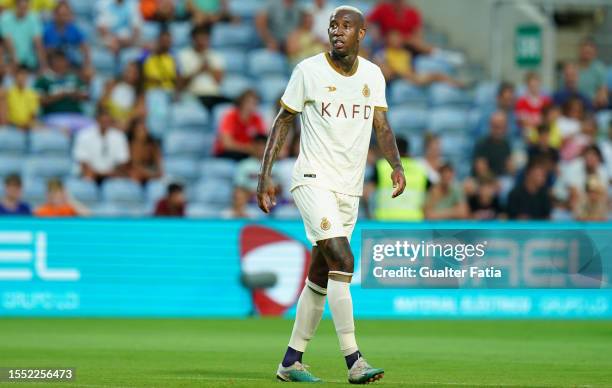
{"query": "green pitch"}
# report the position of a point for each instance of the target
(245, 353)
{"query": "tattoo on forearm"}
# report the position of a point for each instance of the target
(386, 139)
(280, 128)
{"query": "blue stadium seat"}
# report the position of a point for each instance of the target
(103, 60)
(189, 114)
(158, 108)
(403, 92)
(122, 191)
(427, 65)
(181, 168)
(264, 62)
(12, 141)
(184, 143)
(150, 31)
(218, 112)
(97, 85)
(83, 191)
(286, 212)
(83, 9)
(233, 85)
(485, 94)
(270, 88)
(444, 120)
(10, 164)
(87, 28)
(128, 55)
(213, 192)
(235, 60)
(49, 142)
(200, 210)
(228, 35)
(609, 78)
(417, 145)
(245, 9)
(441, 94)
(473, 120)
(155, 190)
(46, 167)
(218, 169)
(34, 191)
(604, 121)
(112, 209)
(180, 32)
(406, 120)
(456, 146)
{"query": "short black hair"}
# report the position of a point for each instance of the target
(12, 179)
(174, 188)
(403, 146)
(596, 150)
(200, 29)
(244, 95)
(447, 166)
(503, 87)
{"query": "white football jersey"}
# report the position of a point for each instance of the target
(337, 112)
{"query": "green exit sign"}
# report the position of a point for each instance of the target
(528, 45)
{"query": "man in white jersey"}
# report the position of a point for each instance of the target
(339, 97)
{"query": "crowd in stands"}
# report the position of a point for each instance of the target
(162, 107)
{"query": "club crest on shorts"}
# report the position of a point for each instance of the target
(366, 91)
(325, 224)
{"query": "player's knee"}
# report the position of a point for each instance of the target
(338, 254)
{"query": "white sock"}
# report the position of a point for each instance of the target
(341, 306)
(308, 314)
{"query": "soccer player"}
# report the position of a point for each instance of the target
(339, 97)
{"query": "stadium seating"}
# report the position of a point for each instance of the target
(184, 143)
(286, 212)
(213, 192)
(199, 210)
(155, 190)
(426, 65)
(103, 60)
(263, 62)
(150, 31)
(129, 55)
(10, 164)
(181, 168)
(235, 60)
(403, 92)
(218, 112)
(245, 9)
(49, 142)
(158, 108)
(180, 32)
(218, 169)
(122, 191)
(485, 94)
(34, 191)
(83, 191)
(444, 120)
(188, 114)
(45, 167)
(233, 85)
(408, 120)
(238, 36)
(271, 88)
(609, 77)
(442, 94)
(12, 141)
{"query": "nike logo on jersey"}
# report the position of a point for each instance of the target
(331, 88)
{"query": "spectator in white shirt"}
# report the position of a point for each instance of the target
(119, 23)
(202, 68)
(102, 151)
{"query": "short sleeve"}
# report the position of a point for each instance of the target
(295, 93)
(380, 99)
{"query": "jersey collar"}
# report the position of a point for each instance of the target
(338, 70)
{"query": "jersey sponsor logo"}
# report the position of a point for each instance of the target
(265, 250)
(354, 111)
(331, 88)
(366, 91)
(310, 175)
(325, 224)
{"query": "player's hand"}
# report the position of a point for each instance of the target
(266, 194)
(399, 181)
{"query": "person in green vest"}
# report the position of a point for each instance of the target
(409, 206)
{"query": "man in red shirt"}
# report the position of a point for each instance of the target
(398, 15)
(238, 128)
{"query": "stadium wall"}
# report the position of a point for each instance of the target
(192, 268)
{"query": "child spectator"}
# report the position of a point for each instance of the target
(238, 128)
(124, 97)
(22, 101)
(145, 153)
(173, 204)
(22, 33)
(11, 204)
(445, 200)
(59, 203)
(530, 106)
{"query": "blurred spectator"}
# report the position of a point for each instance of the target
(207, 12)
(63, 33)
(529, 199)
(550, 119)
(321, 12)
(573, 175)
(238, 128)
(570, 123)
(605, 145)
(22, 32)
(575, 144)
(408, 206)
(492, 153)
(592, 74)
(505, 102)
(399, 15)
(542, 148)
(119, 23)
(101, 150)
(162, 11)
(396, 63)
(570, 88)
(445, 200)
(432, 160)
(62, 92)
(276, 21)
(11, 204)
(173, 204)
(124, 97)
(37, 6)
(202, 68)
(303, 42)
(22, 101)
(160, 69)
(145, 153)
(530, 106)
(59, 203)
(484, 203)
(592, 205)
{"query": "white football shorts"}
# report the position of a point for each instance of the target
(326, 214)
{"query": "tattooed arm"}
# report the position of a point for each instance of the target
(388, 147)
(283, 122)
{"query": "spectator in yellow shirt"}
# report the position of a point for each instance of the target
(160, 69)
(22, 101)
(38, 6)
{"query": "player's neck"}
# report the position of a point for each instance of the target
(345, 64)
